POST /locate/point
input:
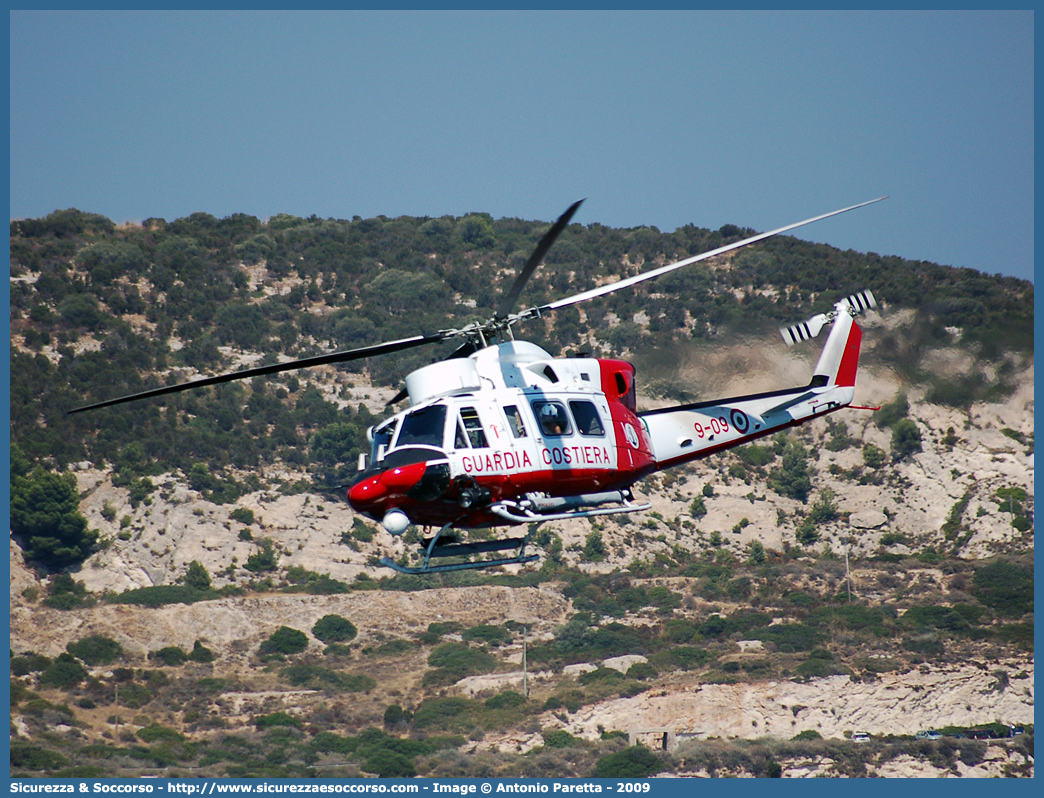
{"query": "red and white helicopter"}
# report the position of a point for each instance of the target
(500, 433)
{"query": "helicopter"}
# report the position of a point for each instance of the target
(501, 434)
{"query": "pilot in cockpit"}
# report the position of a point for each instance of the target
(553, 420)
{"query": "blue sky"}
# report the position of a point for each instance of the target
(657, 118)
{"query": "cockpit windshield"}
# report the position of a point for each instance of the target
(423, 427)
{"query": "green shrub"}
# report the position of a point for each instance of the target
(196, 576)
(663, 599)
(1005, 587)
(636, 762)
(243, 515)
(680, 630)
(509, 699)
(264, 560)
(755, 455)
(820, 663)
(29, 663)
(462, 657)
(285, 640)
(685, 658)
(305, 581)
(46, 519)
(571, 700)
(755, 552)
(792, 478)
(928, 645)
(873, 456)
(201, 653)
(394, 715)
(64, 673)
(389, 765)
(157, 733)
(934, 617)
(806, 533)
(594, 547)
(906, 439)
(334, 629)
(64, 593)
(601, 675)
(788, 637)
(161, 595)
(1019, 634)
(560, 738)
(446, 628)
(320, 678)
(892, 412)
(276, 719)
(493, 635)
(170, 655)
(454, 661)
(28, 756)
(807, 734)
(856, 617)
(642, 671)
(362, 531)
(452, 714)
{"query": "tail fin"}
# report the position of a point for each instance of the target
(840, 358)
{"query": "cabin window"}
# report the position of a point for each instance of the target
(552, 418)
(423, 427)
(514, 417)
(588, 422)
(460, 438)
(473, 428)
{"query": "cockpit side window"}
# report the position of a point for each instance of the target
(588, 421)
(514, 417)
(382, 436)
(552, 417)
(423, 427)
(473, 427)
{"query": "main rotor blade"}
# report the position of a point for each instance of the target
(511, 297)
(606, 289)
(317, 360)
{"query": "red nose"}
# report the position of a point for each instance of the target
(375, 490)
(365, 494)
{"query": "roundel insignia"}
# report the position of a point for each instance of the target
(740, 422)
(631, 435)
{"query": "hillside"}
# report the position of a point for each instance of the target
(722, 618)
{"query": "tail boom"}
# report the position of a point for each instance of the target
(689, 432)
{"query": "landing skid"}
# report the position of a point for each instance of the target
(434, 549)
(521, 514)
(535, 510)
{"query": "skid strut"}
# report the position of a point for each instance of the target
(434, 549)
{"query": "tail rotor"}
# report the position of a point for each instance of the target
(861, 301)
